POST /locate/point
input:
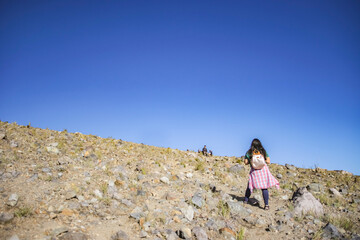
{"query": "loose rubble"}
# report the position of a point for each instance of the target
(71, 186)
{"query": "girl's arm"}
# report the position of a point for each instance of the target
(267, 160)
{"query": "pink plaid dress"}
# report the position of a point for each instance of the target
(262, 179)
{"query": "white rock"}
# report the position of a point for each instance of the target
(98, 193)
(52, 149)
(285, 197)
(188, 212)
(189, 175)
(305, 202)
(165, 180)
(13, 199)
(335, 192)
(14, 237)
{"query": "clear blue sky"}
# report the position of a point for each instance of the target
(182, 74)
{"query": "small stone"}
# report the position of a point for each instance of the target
(279, 176)
(46, 170)
(13, 200)
(141, 193)
(73, 236)
(290, 167)
(57, 231)
(227, 233)
(14, 237)
(6, 217)
(98, 193)
(120, 235)
(188, 212)
(237, 168)
(187, 232)
(170, 196)
(51, 209)
(285, 197)
(258, 197)
(335, 192)
(67, 212)
(137, 213)
(14, 144)
(33, 177)
(143, 234)
(70, 195)
(200, 233)
(126, 202)
(315, 187)
(291, 174)
(165, 180)
(331, 232)
(189, 175)
(197, 200)
(52, 149)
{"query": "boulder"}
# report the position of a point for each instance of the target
(331, 232)
(290, 167)
(200, 233)
(237, 168)
(237, 208)
(120, 235)
(315, 187)
(197, 200)
(6, 217)
(13, 199)
(305, 202)
(73, 236)
(335, 192)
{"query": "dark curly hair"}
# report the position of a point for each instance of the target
(256, 145)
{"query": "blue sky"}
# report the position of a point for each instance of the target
(182, 74)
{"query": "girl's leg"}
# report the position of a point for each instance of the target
(247, 194)
(265, 193)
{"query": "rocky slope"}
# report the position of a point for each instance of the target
(60, 185)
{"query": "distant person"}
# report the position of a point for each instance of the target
(260, 176)
(204, 150)
(210, 153)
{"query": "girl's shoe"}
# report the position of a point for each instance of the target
(266, 207)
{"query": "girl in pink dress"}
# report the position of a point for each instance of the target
(259, 178)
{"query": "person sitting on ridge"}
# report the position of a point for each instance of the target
(204, 151)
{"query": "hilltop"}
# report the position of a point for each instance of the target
(61, 185)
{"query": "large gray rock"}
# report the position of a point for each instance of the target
(237, 208)
(73, 236)
(199, 233)
(305, 202)
(120, 235)
(237, 168)
(290, 167)
(6, 217)
(197, 200)
(331, 232)
(315, 187)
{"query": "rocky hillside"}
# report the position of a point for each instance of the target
(61, 185)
